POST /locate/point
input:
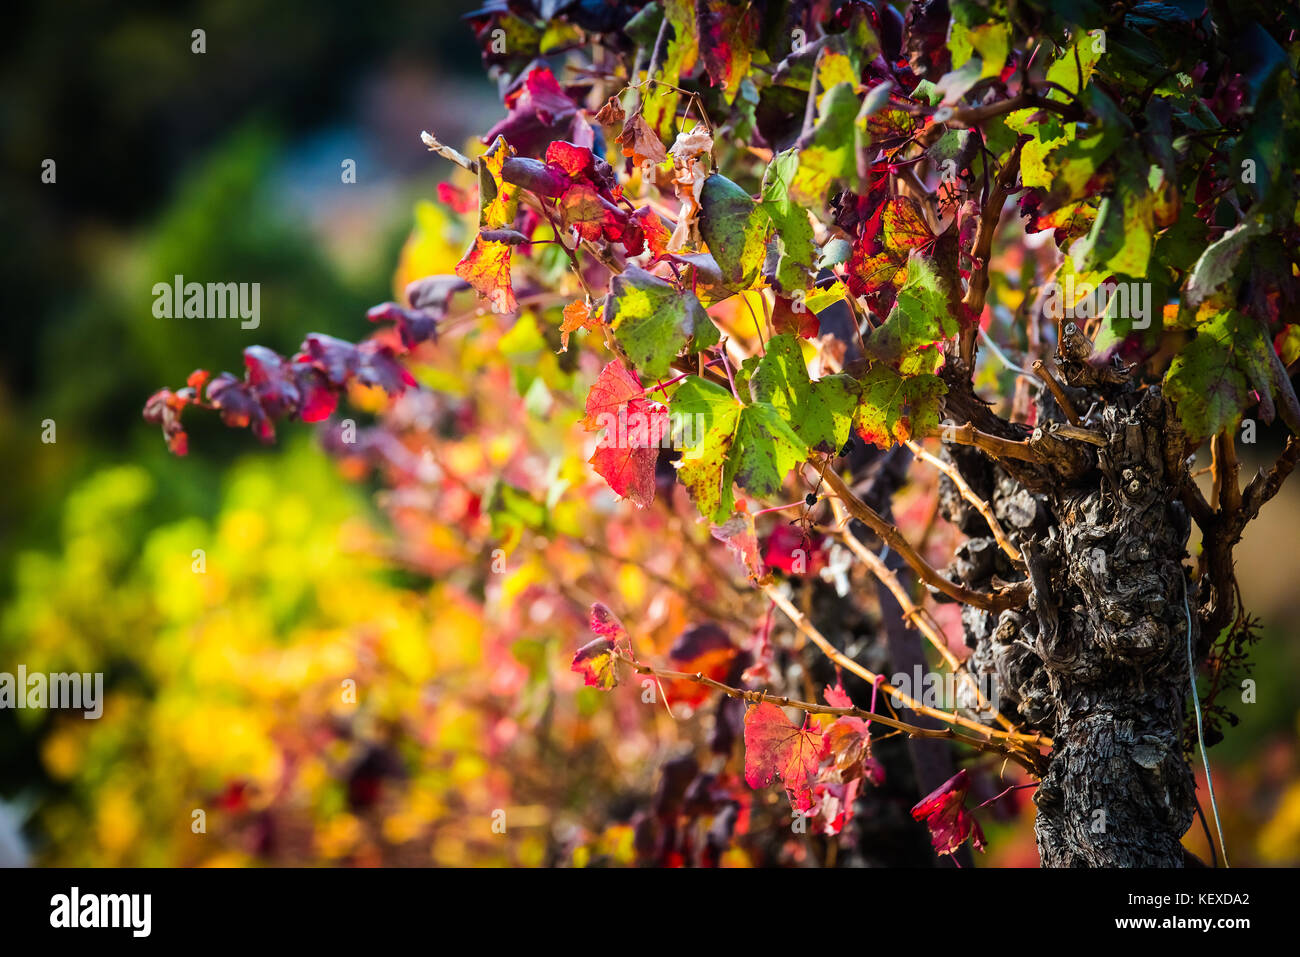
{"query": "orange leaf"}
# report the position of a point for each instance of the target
(577, 315)
(486, 267)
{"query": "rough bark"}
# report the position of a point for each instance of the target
(1099, 659)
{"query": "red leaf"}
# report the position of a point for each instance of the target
(802, 322)
(306, 386)
(597, 660)
(238, 405)
(775, 748)
(726, 32)
(581, 165)
(318, 399)
(635, 428)
(879, 258)
(837, 697)
(540, 112)
(613, 389)
(460, 200)
(943, 810)
(546, 96)
(606, 624)
(414, 326)
(582, 208)
(337, 359)
(629, 471)
(834, 803)
(577, 162)
(737, 533)
(272, 381)
(655, 233)
(164, 408)
(378, 366)
(585, 189)
(794, 551)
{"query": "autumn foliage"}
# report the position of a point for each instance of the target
(724, 258)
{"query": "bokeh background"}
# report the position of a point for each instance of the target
(221, 688)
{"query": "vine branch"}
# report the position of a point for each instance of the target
(1015, 743)
(912, 613)
(980, 505)
(1013, 596)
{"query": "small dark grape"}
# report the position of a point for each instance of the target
(810, 499)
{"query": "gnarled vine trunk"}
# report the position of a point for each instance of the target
(1099, 661)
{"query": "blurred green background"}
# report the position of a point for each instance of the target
(221, 166)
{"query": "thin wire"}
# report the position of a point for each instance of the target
(1200, 733)
(1002, 356)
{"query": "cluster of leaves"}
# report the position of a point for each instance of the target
(822, 767)
(307, 385)
(1111, 180)
(844, 263)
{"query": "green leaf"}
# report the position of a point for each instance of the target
(710, 414)
(920, 319)
(829, 154)
(1211, 381)
(820, 299)
(1069, 169)
(897, 408)
(767, 450)
(749, 445)
(1119, 243)
(643, 29)
(735, 229)
(1289, 344)
(977, 52)
(834, 67)
(653, 320)
(1074, 64)
(1217, 263)
(794, 233)
(1047, 133)
(820, 412)
(990, 42)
